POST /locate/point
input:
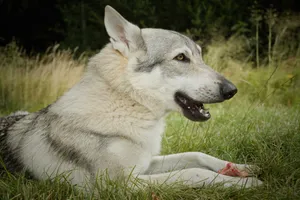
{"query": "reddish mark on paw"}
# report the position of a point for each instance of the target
(231, 170)
(154, 196)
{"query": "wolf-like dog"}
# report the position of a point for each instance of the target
(112, 120)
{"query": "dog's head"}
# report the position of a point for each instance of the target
(168, 67)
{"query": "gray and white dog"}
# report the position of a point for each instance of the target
(113, 119)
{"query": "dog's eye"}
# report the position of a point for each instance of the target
(181, 57)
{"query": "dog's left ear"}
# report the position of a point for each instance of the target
(124, 36)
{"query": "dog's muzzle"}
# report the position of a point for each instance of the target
(194, 110)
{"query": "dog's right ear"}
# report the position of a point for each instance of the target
(124, 36)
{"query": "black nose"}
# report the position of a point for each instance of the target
(228, 90)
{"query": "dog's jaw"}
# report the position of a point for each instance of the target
(192, 109)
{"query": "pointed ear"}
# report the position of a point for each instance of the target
(124, 36)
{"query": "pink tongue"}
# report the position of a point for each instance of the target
(231, 170)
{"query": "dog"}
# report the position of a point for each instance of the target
(112, 120)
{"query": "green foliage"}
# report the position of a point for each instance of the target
(79, 23)
(203, 19)
(85, 20)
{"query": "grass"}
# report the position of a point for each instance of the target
(261, 126)
(266, 136)
(32, 83)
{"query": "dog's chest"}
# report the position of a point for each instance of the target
(150, 141)
(151, 138)
(138, 152)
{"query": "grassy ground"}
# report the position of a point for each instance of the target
(260, 125)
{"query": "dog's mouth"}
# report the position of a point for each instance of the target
(192, 109)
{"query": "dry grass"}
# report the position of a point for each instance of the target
(33, 83)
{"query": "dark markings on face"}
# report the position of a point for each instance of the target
(140, 42)
(152, 61)
(148, 65)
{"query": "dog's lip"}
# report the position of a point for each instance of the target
(192, 109)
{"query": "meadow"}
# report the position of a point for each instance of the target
(260, 125)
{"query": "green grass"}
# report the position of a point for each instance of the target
(266, 136)
(260, 125)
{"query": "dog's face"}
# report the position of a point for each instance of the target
(168, 67)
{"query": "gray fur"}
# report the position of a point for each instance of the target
(70, 153)
(155, 56)
(188, 42)
(9, 159)
(148, 65)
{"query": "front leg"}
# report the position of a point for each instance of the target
(198, 177)
(161, 164)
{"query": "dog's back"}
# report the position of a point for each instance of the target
(7, 158)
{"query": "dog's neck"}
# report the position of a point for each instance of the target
(110, 68)
(103, 93)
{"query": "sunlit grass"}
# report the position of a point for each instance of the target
(33, 83)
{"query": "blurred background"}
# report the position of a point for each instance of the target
(45, 45)
(35, 25)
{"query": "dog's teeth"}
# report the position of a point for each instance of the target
(183, 100)
(204, 112)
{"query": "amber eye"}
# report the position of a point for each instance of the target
(182, 57)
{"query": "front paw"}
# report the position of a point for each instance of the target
(245, 182)
(239, 170)
(251, 170)
(250, 182)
